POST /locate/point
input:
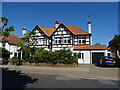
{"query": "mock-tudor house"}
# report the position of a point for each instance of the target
(70, 37)
(9, 44)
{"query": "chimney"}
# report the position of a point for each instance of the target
(57, 23)
(89, 30)
(89, 27)
(24, 31)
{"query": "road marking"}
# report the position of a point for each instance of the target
(66, 78)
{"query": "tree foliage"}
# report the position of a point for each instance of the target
(27, 45)
(5, 31)
(4, 53)
(114, 44)
(97, 43)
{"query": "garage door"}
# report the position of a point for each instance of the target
(96, 56)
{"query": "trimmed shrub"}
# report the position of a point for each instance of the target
(15, 60)
(61, 56)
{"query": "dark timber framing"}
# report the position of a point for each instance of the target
(61, 37)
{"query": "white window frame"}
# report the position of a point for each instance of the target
(80, 38)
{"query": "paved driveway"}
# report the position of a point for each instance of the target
(83, 76)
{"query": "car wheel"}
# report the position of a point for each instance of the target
(100, 65)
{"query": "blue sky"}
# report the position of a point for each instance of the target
(104, 16)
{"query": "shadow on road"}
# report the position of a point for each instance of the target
(15, 79)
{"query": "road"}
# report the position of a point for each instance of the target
(84, 76)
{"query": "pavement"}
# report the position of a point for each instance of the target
(83, 76)
(82, 71)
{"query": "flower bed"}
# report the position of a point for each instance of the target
(49, 64)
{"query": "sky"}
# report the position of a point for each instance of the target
(103, 15)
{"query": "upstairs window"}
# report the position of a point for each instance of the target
(41, 40)
(81, 40)
(57, 40)
(66, 40)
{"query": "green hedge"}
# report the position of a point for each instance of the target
(4, 53)
(61, 56)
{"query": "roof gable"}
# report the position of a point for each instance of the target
(74, 30)
(37, 27)
(51, 30)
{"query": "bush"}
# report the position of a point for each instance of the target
(61, 56)
(15, 59)
(31, 59)
(4, 53)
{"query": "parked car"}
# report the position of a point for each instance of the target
(107, 61)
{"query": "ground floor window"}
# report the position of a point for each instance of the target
(15, 53)
(108, 54)
(19, 55)
(119, 52)
(81, 55)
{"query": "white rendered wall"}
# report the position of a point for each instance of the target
(7, 46)
(10, 48)
(13, 49)
(0, 44)
(88, 55)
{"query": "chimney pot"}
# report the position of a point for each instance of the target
(57, 23)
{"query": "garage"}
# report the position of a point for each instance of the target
(96, 56)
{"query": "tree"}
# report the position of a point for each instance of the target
(114, 44)
(5, 31)
(97, 43)
(27, 45)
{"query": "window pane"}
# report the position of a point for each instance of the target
(15, 54)
(80, 41)
(83, 37)
(68, 40)
(59, 41)
(83, 41)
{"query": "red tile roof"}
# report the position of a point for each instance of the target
(92, 47)
(12, 39)
(77, 31)
(74, 30)
(49, 31)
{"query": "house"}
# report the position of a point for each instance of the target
(9, 44)
(70, 37)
